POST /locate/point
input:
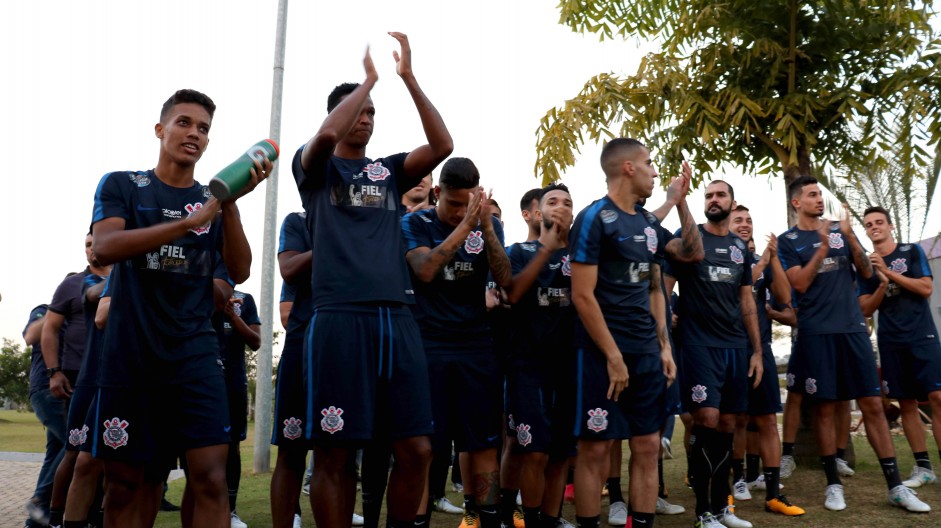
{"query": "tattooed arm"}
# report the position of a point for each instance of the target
(659, 310)
(427, 262)
(688, 248)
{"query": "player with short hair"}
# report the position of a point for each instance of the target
(529, 205)
(908, 339)
(833, 359)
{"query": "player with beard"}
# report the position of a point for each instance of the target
(833, 359)
(717, 323)
(908, 339)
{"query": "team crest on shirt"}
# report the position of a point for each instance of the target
(292, 428)
(566, 266)
(651, 234)
(810, 385)
(376, 172)
(791, 236)
(141, 180)
(736, 254)
(523, 436)
(115, 434)
(191, 209)
(790, 379)
(699, 393)
(608, 216)
(836, 240)
(905, 248)
(510, 423)
(597, 419)
(331, 421)
(78, 437)
(899, 265)
(474, 243)
(526, 246)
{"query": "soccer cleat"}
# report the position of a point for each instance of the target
(843, 468)
(518, 520)
(904, 497)
(707, 520)
(665, 508)
(728, 518)
(920, 476)
(235, 522)
(357, 520)
(667, 446)
(297, 521)
(783, 506)
(740, 490)
(835, 500)
(569, 495)
(617, 514)
(470, 520)
(443, 505)
(788, 465)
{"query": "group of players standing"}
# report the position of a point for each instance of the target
(389, 343)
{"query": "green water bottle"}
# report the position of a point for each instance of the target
(232, 179)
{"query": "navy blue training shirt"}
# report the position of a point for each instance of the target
(544, 318)
(37, 368)
(762, 290)
(904, 316)
(88, 374)
(233, 348)
(69, 303)
(295, 236)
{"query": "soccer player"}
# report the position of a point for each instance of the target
(833, 359)
(364, 364)
(907, 336)
(420, 196)
(621, 331)
(164, 235)
(52, 414)
(764, 401)
(529, 205)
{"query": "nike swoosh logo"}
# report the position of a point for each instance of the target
(142, 208)
(802, 248)
(623, 238)
(227, 429)
(492, 438)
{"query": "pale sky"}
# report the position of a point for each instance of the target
(84, 82)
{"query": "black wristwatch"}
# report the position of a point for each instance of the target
(53, 370)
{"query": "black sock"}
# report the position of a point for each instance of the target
(614, 490)
(890, 469)
(394, 523)
(689, 465)
(738, 469)
(700, 465)
(721, 486)
(638, 520)
(772, 482)
(423, 520)
(548, 521)
(489, 515)
(751, 467)
(530, 517)
(469, 503)
(588, 522)
(507, 505)
(55, 516)
(787, 449)
(661, 488)
(841, 453)
(922, 460)
(74, 524)
(829, 467)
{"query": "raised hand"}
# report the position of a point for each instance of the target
(846, 222)
(486, 210)
(824, 230)
(370, 68)
(472, 215)
(403, 62)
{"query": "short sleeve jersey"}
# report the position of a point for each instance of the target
(710, 306)
(37, 369)
(68, 302)
(904, 316)
(623, 246)
(543, 320)
(233, 349)
(762, 290)
(353, 214)
(295, 237)
(162, 299)
(451, 310)
(88, 373)
(830, 304)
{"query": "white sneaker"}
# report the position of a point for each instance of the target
(297, 521)
(357, 520)
(740, 490)
(564, 524)
(834, 500)
(788, 465)
(843, 468)
(920, 476)
(667, 447)
(707, 520)
(236, 522)
(305, 489)
(519, 499)
(759, 484)
(617, 514)
(728, 518)
(457, 487)
(444, 505)
(905, 498)
(665, 508)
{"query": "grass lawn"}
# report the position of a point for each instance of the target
(865, 492)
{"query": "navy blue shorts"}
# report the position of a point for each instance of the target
(540, 402)
(834, 367)
(766, 399)
(714, 377)
(908, 371)
(237, 394)
(640, 409)
(466, 398)
(365, 369)
(290, 407)
(77, 425)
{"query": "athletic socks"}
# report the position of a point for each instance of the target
(423, 520)
(751, 467)
(548, 522)
(661, 488)
(922, 460)
(772, 482)
(641, 520)
(74, 524)
(787, 448)
(738, 469)
(489, 515)
(700, 465)
(721, 454)
(55, 516)
(393, 523)
(588, 522)
(614, 490)
(841, 453)
(507, 505)
(829, 467)
(890, 469)
(530, 517)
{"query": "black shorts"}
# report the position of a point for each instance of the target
(766, 399)
(290, 407)
(540, 403)
(714, 377)
(364, 368)
(834, 367)
(466, 399)
(909, 372)
(78, 425)
(237, 394)
(640, 409)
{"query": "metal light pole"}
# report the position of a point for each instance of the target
(263, 385)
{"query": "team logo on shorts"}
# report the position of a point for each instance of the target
(523, 435)
(192, 209)
(78, 437)
(699, 394)
(376, 172)
(810, 385)
(885, 387)
(651, 239)
(836, 240)
(141, 180)
(566, 266)
(474, 243)
(115, 435)
(790, 379)
(292, 428)
(899, 266)
(736, 254)
(331, 421)
(510, 423)
(597, 419)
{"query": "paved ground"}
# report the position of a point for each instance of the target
(18, 472)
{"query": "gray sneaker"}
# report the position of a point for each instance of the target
(843, 468)
(788, 465)
(728, 519)
(834, 500)
(665, 508)
(617, 514)
(920, 477)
